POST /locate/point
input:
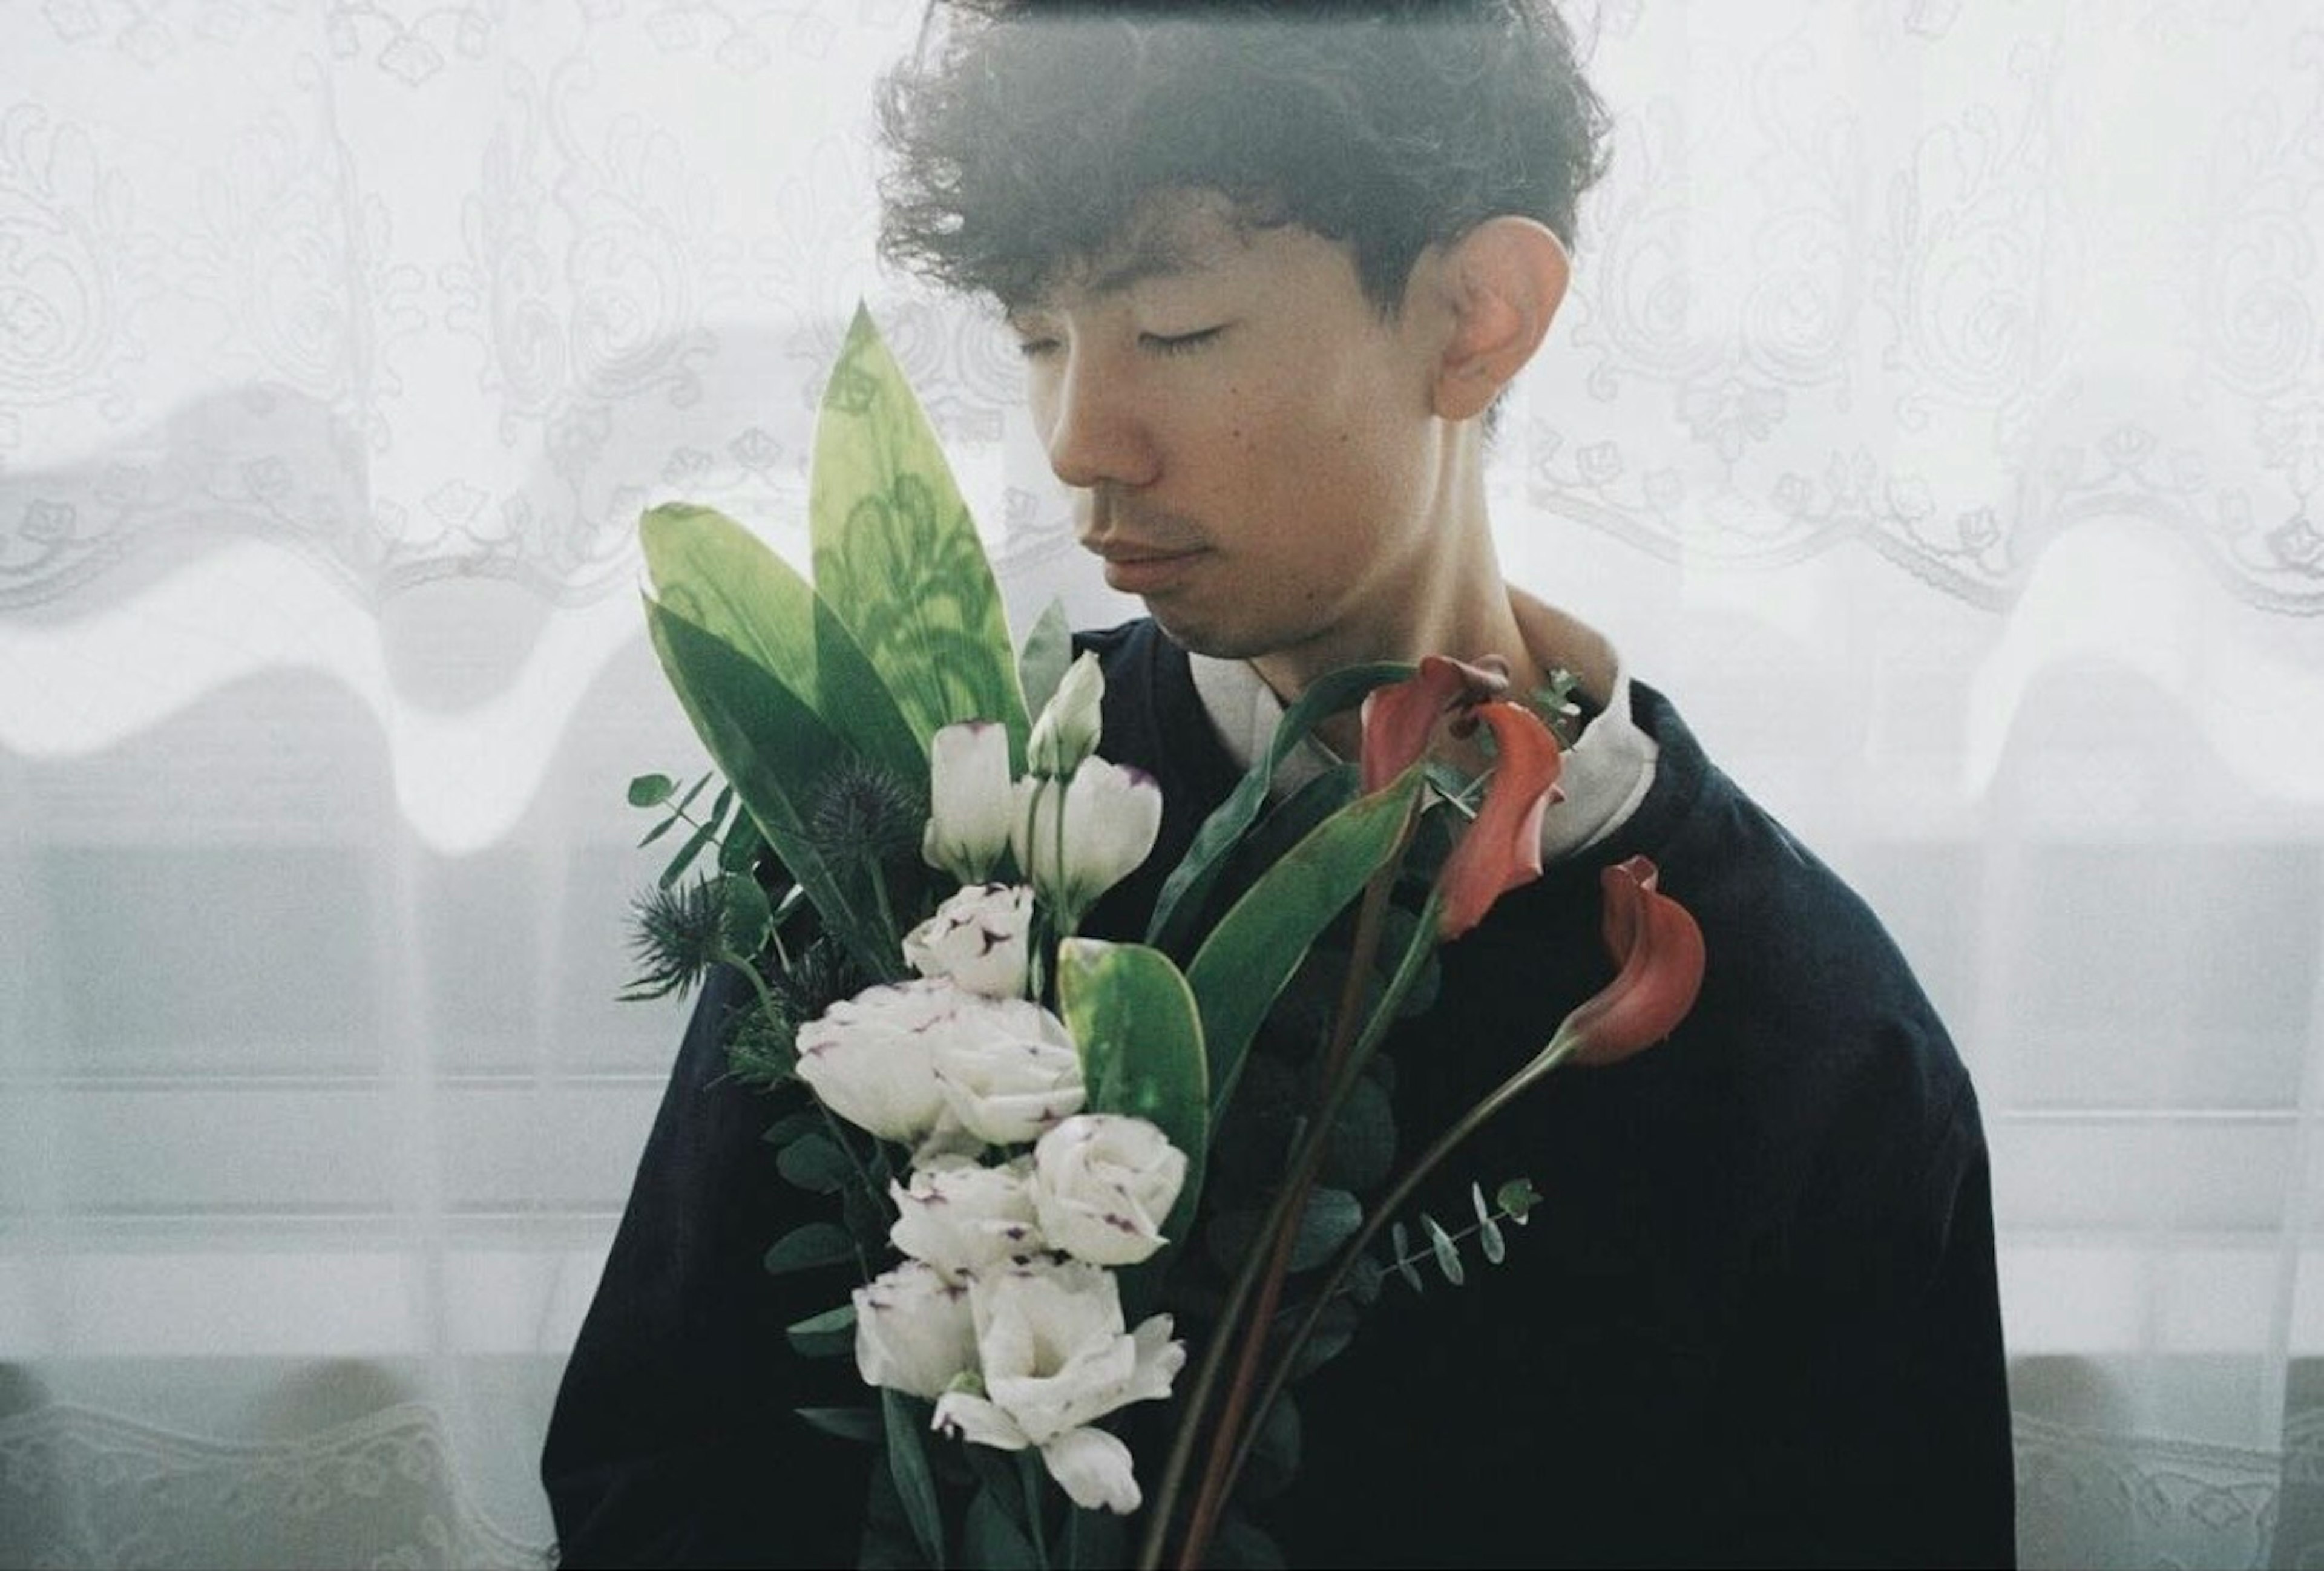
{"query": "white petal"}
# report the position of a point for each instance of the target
(1093, 1468)
(975, 1419)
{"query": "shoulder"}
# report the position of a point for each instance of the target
(1810, 1018)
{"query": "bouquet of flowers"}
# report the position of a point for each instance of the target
(1015, 1122)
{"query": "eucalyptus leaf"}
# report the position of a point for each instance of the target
(1239, 1546)
(650, 791)
(694, 790)
(1048, 650)
(859, 1424)
(1274, 1453)
(1363, 1139)
(809, 1248)
(1139, 1031)
(1330, 1218)
(686, 853)
(791, 1126)
(830, 1335)
(991, 1539)
(659, 830)
(1399, 1243)
(714, 573)
(814, 1162)
(1490, 1240)
(897, 555)
(1517, 1198)
(776, 751)
(907, 1421)
(1185, 891)
(1448, 1253)
(1258, 944)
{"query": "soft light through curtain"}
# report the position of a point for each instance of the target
(1939, 417)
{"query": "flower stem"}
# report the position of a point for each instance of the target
(1560, 1048)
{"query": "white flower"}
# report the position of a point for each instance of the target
(1111, 815)
(914, 1330)
(1101, 1186)
(1055, 1359)
(969, 800)
(870, 1059)
(979, 938)
(959, 1216)
(1067, 730)
(1007, 1069)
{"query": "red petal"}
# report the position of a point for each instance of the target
(1659, 948)
(1400, 718)
(1502, 849)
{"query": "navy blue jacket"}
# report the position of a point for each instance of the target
(1753, 1321)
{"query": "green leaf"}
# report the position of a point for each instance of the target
(1180, 906)
(858, 1424)
(1363, 1139)
(907, 1420)
(740, 849)
(1517, 1198)
(1048, 650)
(695, 790)
(659, 830)
(791, 1126)
(897, 555)
(650, 791)
(1136, 1022)
(1330, 1218)
(1399, 1243)
(816, 1162)
(1274, 1454)
(776, 751)
(829, 1334)
(1489, 1239)
(746, 917)
(714, 573)
(809, 1248)
(1365, 1278)
(993, 1539)
(1448, 1253)
(686, 853)
(1258, 944)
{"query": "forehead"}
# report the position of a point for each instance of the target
(1171, 234)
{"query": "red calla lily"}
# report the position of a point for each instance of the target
(1502, 848)
(1659, 948)
(1399, 719)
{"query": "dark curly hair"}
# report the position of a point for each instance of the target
(1025, 133)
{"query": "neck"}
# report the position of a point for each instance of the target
(1446, 597)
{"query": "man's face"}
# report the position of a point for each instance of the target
(1255, 444)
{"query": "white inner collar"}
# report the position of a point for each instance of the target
(1607, 770)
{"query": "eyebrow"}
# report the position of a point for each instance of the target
(1151, 256)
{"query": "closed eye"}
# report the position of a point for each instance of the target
(1180, 342)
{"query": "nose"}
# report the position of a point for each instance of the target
(1095, 428)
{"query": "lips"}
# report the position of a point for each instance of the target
(1141, 570)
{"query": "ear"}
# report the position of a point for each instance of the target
(1505, 279)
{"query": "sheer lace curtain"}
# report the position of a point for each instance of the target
(1938, 416)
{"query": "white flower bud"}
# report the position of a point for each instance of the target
(1111, 815)
(969, 800)
(1102, 1185)
(914, 1331)
(1008, 1071)
(980, 938)
(1067, 730)
(960, 1217)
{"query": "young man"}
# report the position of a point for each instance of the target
(1271, 267)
